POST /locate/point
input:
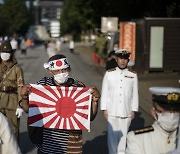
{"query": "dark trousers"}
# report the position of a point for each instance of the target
(39, 152)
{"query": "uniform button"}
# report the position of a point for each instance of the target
(120, 87)
(120, 94)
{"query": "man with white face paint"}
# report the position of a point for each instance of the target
(11, 81)
(161, 137)
(58, 140)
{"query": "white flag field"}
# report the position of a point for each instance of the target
(59, 107)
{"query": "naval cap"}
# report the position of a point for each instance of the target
(166, 97)
(123, 53)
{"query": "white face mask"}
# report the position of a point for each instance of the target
(168, 121)
(115, 48)
(5, 56)
(62, 77)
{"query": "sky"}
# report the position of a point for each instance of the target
(1, 1)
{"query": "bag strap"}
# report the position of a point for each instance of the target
(6, 74)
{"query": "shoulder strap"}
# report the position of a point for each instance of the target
(6, 73)
(144, 130)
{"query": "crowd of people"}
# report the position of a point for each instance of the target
(19, 43)
(119, 102)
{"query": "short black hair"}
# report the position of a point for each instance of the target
(166, 104)
(55, 57)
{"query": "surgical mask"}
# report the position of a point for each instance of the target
(5, 56)
(62, 77)
(115, 48)
(168, 121)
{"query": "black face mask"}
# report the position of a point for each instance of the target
(122, 68)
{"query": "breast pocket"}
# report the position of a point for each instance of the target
(129, 81)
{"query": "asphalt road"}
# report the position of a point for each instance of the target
(90, 74)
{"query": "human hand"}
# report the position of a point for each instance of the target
(19, 112)
(25, 91)
(132, 115)
(95, 94)
(105, 114)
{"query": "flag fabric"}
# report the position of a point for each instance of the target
(59, 107)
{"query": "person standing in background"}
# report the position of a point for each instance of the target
(111, 60)
(58, 44)
(71, 46)
(23, 48)
(119, 101)
(11, 81)
(51, 48)
(14, 44)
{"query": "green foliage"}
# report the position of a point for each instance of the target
(14, 17)
(76, 17)
(100, 45)
(82, 15)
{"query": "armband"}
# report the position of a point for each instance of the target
(20, 103)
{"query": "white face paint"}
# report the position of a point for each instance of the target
(5, 56)
(168, 121)
(61, 77)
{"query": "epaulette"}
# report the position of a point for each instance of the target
(132, 71)
(144, 130)
(112, 69)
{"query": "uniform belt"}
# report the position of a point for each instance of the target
(8, 89)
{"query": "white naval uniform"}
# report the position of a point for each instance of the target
(8, 142)
(119, 97)
(153, 142)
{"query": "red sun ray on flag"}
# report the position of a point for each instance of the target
(59, 107)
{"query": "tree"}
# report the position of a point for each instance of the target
(82, 15)
(14, 17)
(76, 17)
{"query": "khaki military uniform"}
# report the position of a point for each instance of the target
(11, 81)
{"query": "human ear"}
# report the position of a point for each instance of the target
(153, 113)
(50, 72)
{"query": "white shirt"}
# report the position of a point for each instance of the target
(154, 142)
(14, 44)
(71, 44)
(119, 94)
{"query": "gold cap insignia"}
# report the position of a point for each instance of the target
(173, 96)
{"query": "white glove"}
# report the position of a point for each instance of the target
(19, 112)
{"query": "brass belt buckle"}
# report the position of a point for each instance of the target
(4, 88)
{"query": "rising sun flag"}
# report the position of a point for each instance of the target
(59, 107)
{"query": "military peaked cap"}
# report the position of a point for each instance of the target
(123, 53)
(5, 47)
(166, 97)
